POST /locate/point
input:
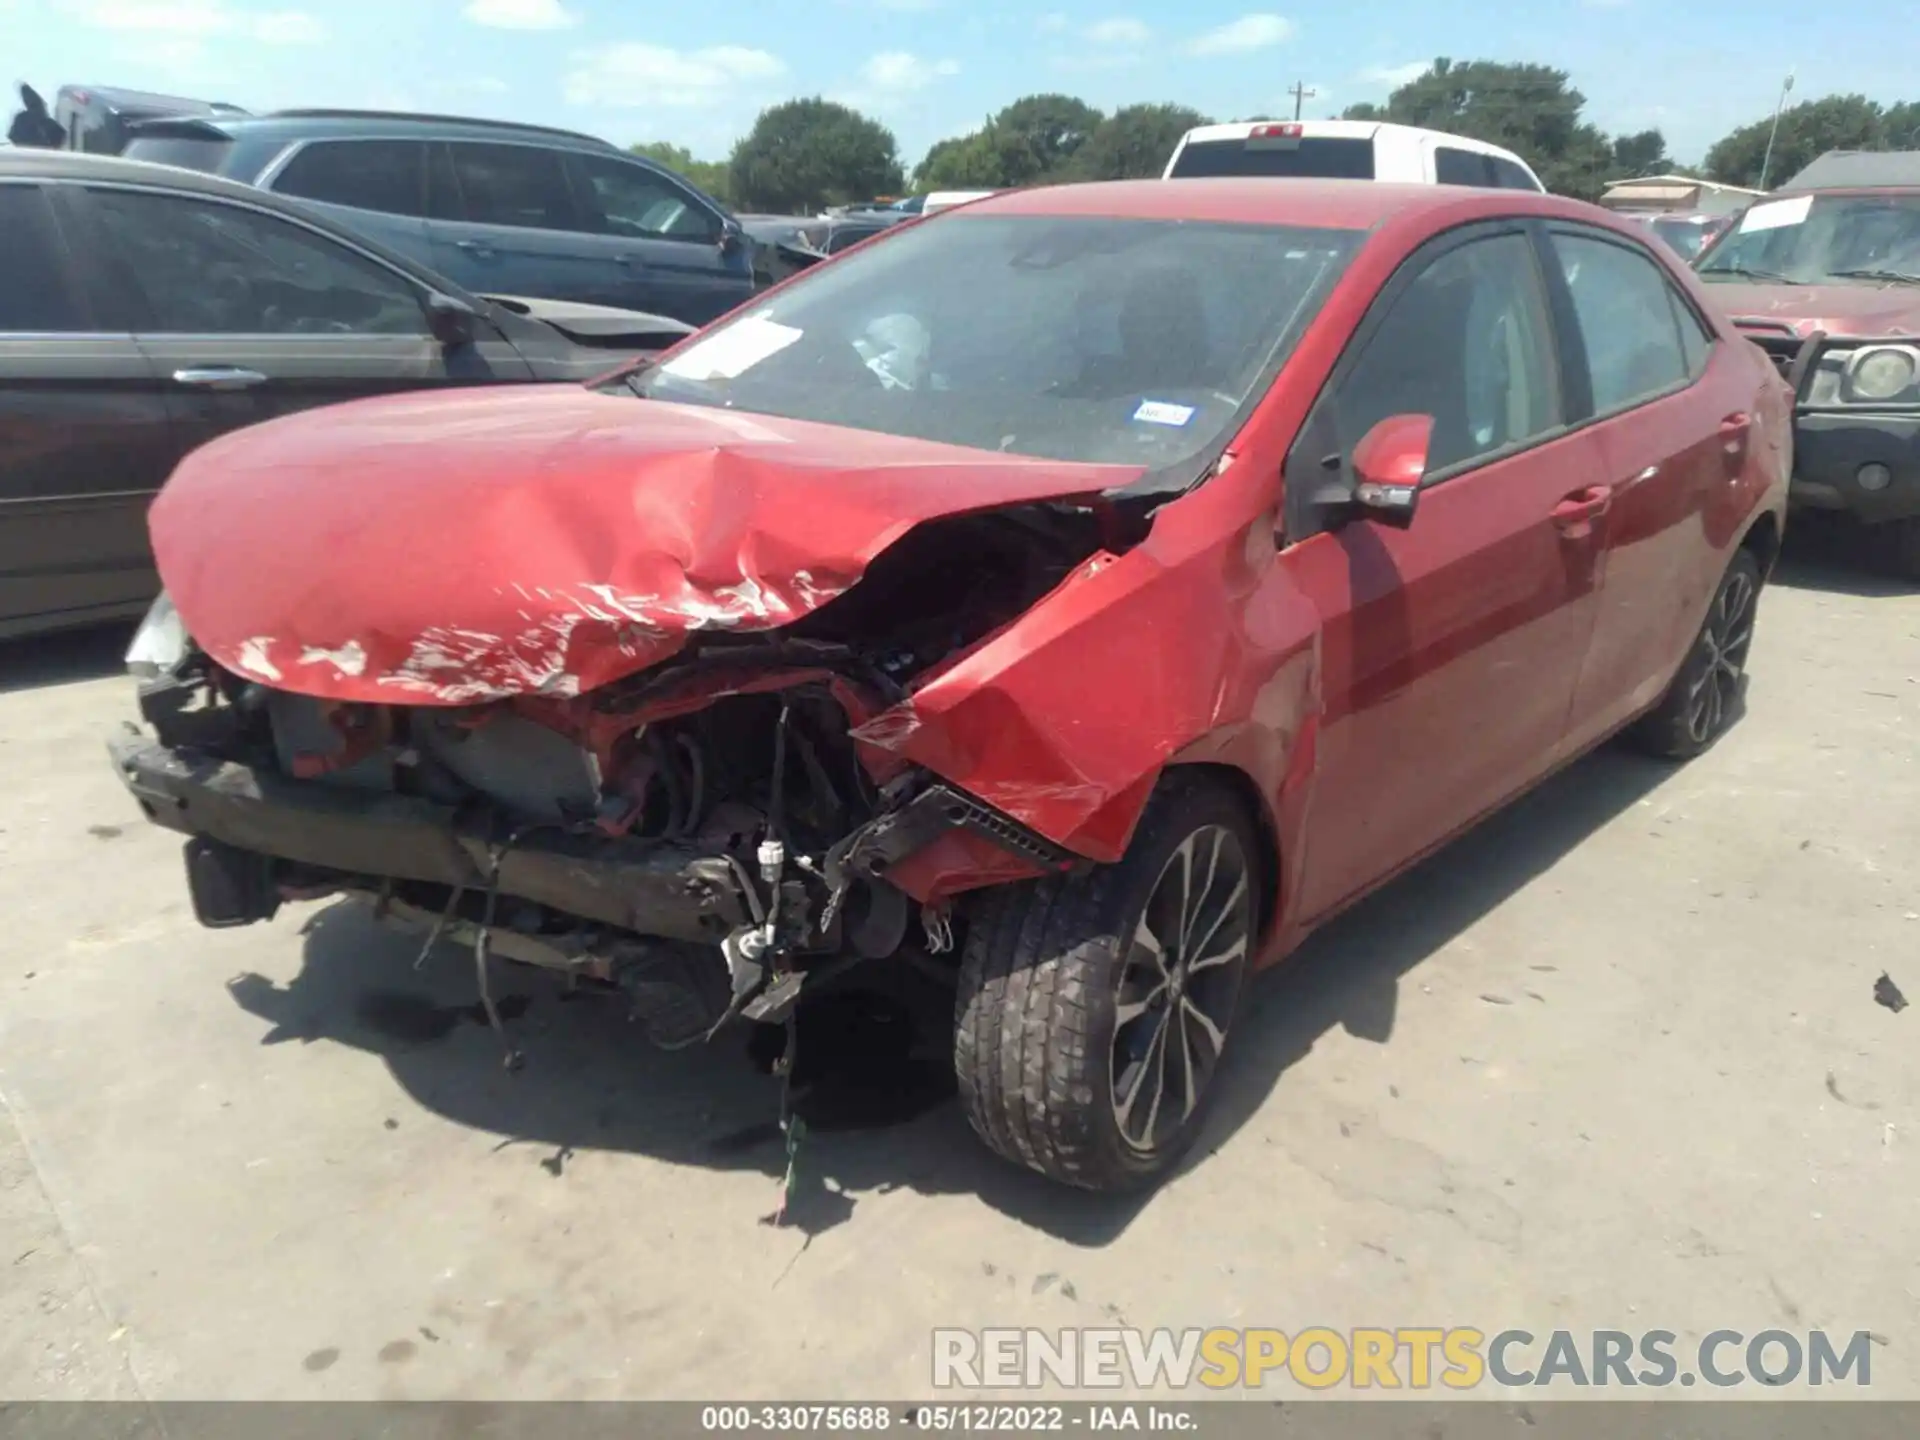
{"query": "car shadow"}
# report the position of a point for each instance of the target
(877, 1097)
(1831, 553)
(65, 658)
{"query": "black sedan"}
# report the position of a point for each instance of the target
(145, 310)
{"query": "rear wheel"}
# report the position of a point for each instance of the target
(1093, 1010)
(1905, 549)
(1705, 695)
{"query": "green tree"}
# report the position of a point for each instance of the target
(1900, 126)
(1528, 109)
(709, 176)
(1807, 131)
(1134, 143)
(1030, 142)
(966, 162)
(1642, 154)
(804, 154)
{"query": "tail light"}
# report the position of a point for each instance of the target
(1291, 130)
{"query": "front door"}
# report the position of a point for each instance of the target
(1450, 649)
(85, 438)
(659, 248)
(247, 315)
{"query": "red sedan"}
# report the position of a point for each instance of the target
(1094, 590)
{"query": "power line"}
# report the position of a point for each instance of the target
(1301, 94)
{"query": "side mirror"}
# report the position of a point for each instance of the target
(731, 237)
(452, 322)
(1387, 466)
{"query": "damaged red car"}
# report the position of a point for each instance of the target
(1088, 592)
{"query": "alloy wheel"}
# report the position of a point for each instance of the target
(1721, 658)
(1178, 983)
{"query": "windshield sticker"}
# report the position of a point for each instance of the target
(733, 351)
(1160, 412)
(1776, 213)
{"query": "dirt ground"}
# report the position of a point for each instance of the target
(1612, 1061)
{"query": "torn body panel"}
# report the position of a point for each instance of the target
(544, 543)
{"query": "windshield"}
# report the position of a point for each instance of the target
(1812, 239)
(1109, 341)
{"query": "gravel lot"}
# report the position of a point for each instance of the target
(1612, 1061)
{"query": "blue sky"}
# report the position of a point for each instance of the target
(697, 73)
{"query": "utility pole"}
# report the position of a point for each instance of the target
(1766, 162)
(1301, 94)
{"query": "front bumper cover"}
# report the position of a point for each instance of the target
(674, 891)
(1829, 449)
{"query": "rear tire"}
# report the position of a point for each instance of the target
(1093, 1009)
(1704, 697)
(1904, 551)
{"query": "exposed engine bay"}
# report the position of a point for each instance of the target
(707, 836)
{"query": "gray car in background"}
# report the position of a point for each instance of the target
(496, 207)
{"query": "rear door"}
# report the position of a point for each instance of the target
(85, 437)
(658, 247)
(506, 222)
(1450, 649)
(1669, 415)
(248, 315)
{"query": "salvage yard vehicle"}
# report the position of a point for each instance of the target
(144, 310)
(1824, 275)
(493, 205)
(1090, 593)
(1346, 150)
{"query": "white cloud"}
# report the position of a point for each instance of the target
(1394, 76)
(1237, 37)
(897, 71)
(182, 22)
(521, 14)
(632, 75)
(1119, 31)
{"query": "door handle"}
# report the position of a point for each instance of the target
(1734, 431)
(627, 260)
(1576, 512)
(219, 377)
(474, 247)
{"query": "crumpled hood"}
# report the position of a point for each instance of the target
(1868, 310)
(453, 548)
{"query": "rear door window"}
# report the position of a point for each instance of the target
(199, 267)
(1628, 322)
(35, 294)
(384, 175)
(1316, 157)
(519, 185)
(1454, 166)
(632, 200)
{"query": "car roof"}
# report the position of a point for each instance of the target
(1337, 130)
(35, 164)
(1258, 200)
(369, 124)
(1859, 170)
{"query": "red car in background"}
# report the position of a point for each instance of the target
(1091, 591)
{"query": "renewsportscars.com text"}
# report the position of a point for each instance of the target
(1404, 1358)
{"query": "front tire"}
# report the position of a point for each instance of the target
(1093, 1009)
(1704, 697)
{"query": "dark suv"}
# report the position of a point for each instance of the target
(499, 208)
